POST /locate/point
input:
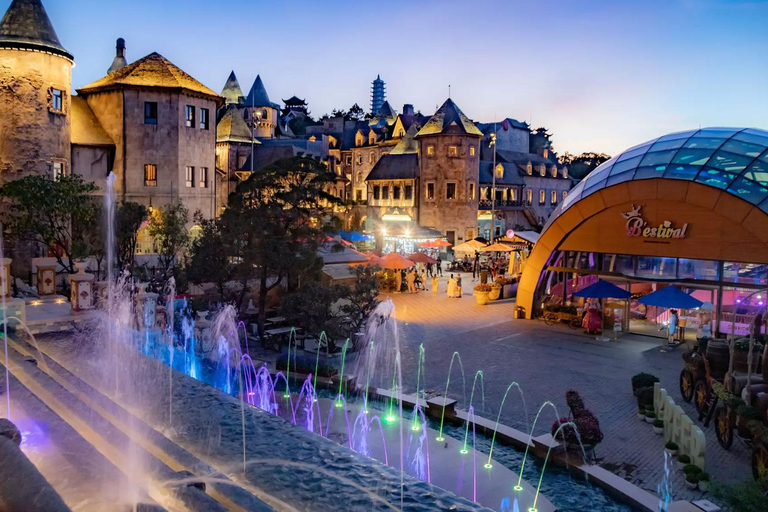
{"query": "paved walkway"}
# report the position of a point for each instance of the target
(546, 362)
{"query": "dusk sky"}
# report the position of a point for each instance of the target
(601, 75)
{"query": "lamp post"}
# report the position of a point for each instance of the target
(493, 187)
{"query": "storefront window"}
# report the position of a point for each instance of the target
(653, 266)
(740, 305)
(619, 264)
(698, 269)
(745, 273)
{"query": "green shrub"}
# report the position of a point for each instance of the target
(744, 497)
(683, 459)
(671, 446)
(691, 469)
(650, 414)
(643, 380)
(658, 423)
(703, 477)
(650, 408)
(644, 396)
(692, 477)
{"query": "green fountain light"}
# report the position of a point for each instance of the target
(518, 488)
(487, 466)
(440, 439)
(463, 451)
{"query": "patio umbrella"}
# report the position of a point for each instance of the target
(395, 261)
(474, 244)
(603, 290)
(434, 244)
(466, 247)
(670, 297)
(497, 247)
(420, 257)
(376, 252)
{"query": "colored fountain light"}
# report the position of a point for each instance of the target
(518, 488)
(487, 466)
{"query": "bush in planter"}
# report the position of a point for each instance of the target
(671, 446)
(574, 401)
(483, 287)
(644, 396)
(683, 459)
(641, 413)
(588, 430)
(658, 423)
(692, 480)
(650, 416)
(691, 469)
(703, 481)
(643, 380)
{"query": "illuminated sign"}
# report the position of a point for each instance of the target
(638, 226)
(510, 233)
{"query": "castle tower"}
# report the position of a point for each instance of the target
(35, 82)
(232, 93)
(378, 94)
(260, 113)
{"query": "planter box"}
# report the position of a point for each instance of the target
(482, 298)
(703, 486)
(495, 293)
(509, 291)
(658, 430)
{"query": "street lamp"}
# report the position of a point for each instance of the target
(493, 188)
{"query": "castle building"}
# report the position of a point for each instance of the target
(35, 102)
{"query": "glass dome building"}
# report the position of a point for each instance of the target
(687, 209)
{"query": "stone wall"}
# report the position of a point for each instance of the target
(458, 215)
(91, 162)
(31, 136)
(514, 139)
(197, 148)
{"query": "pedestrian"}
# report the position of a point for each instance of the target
(458, 286)
(411, 279)
(429, 269)
(476, 266)
(398, 281)
(439, 267)
(451, 287)
(671, 329)
(434, 285)
(756, 327)
(423, 280)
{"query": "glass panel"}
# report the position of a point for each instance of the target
(698, 269)
(743, 148)
(598, 174)
(678, 135)
(654, 266)
(715, 178)
(758, 172)
(618, 263)
(738, 309)
(593, 188)
(650, 172)
(585, 260)
(626, 165)
(662, 145)
(682, 172)
(693, 156)
(618, 178)
(749, 190)
(704, 143)
(658, 157)
(723, 133)
(745, 273)
(764, 206)
(637, 150)
(729, 161)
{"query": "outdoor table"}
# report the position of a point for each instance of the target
(276, 319)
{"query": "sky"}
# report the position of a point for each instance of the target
(601, 75)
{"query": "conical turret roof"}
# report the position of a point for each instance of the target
(232, 127)
(232, 92)
(26, 26)
(449, 119)
(258, 97)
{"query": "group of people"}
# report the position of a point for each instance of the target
(416, 280)
(454, 287)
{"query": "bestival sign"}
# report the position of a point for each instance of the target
(638, 226)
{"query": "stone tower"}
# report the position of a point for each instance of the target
(449, 169)
(260, 113)
(378, 94)
(35, 82)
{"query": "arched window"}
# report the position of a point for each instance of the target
(529, 168)
(553, 199)
(359, 158)
(371, 157)
(359, 176)
(529, 196)
(264, 114)
(565, 172)
(565, 194)
(554, 171)
(499, 171)
(543, 170)
(542, 196)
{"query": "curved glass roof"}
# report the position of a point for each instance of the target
(732, 159)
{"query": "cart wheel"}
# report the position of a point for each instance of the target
(760, 464)
(550, 319)
(701, 396)
(686, 385)
(723, 428)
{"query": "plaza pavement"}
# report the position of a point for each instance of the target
(546, 362)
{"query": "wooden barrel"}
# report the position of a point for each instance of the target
(741, 360)
(718, 357)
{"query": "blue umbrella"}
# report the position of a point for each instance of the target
(603, 290)
(671, 297)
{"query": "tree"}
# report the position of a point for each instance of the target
(61, 214)
(128, 220)
(168, 226)
(356, 113)
(212, 256)
(581, 165)
(361, 298)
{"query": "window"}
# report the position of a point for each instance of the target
(359, 176)
(204, 118)
(190, 119)
(359, 159)
(529, 168)
(542, 171)
(553, 199)
(499, 171)
(358, 195)
(529, 196)
(359, 139)
(471, 191)
(376, 192)
(150, 112)
(349, 159)
(372, 137)
(450, 191)
(470, 234)
(430, 191)
(203, 177)
(385, 192)
(371, 157)
(190, 177)
(430, 150)
(542, 196)
(338, 169)
(59, 170)
(565, 194)
(554, 171)
(565, 172)
(150, 175)
(396, 192)
(453, 151)
(512, 195)
(408, 192)
(472, 151)
(57, 100)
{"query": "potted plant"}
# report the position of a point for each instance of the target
(692, 480)
(658, 426)
(574, 401)
(703, 482)
(495, 292)
(650, 416)
(641, 413)
(671, 448)
(642, 388)
(683, 460)
(481, 293)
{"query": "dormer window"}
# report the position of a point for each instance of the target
(554, 171)
(453, 151)
(359, 139)
(542, 171)
(529, 169)
(565, 172)
(372, 138)
(400, 133)
(499, 171)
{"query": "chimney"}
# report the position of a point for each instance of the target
(119, 61)
(408, 109)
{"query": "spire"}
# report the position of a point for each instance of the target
(119, 61)
(378, 94)
(26, 26)
(257, 96)
(232, 93)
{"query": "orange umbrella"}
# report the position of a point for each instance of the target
(395, 261)
(434, 244)
(420, 257)
(376, 252)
